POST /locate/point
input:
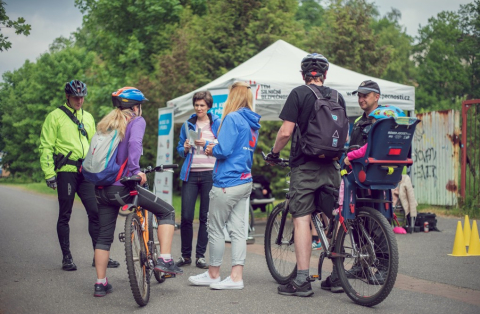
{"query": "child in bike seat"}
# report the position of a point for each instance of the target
(382, 112)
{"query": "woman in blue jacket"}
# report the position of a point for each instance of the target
(197, 177)
(232, 185)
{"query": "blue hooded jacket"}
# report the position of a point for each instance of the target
(192, 125)
(237, 141)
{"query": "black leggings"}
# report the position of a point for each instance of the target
(70, 183)
(110, 199)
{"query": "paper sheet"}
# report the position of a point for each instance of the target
(193, 136)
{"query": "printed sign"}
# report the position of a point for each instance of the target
(219, 98)
(163, 180)
(165, 123)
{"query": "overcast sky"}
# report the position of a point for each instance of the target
(54, 18)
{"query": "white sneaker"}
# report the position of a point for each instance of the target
(227, 283)
(203, 279)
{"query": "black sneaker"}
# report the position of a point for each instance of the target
(182, 261)
(111, 263)
(356, 272)
(292, 289)
(378, 278)
(333, 286)
(68, 264)
(201, 263)
(167, 267)
(101, 289)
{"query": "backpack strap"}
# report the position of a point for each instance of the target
(74, 119)
(316, 92)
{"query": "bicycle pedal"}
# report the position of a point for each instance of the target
(121, 237)
(169, 276)
(312, 278)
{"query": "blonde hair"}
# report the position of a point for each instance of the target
(240, 96)
(117, 119)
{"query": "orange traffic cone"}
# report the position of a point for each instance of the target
(474, 248)
(459, 248)
(466, 231)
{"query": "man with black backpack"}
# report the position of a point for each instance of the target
(316, 116)
(64, 142)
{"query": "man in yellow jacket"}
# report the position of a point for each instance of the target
(64, 142)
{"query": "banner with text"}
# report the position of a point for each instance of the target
(219, 98)
(164, 180)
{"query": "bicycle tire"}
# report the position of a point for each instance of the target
(153, 236)
(372, 275)
(281, 259)
(136, 260)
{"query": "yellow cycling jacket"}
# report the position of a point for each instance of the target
(61, 135)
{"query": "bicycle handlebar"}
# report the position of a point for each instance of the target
(159, 168)
(279, 161)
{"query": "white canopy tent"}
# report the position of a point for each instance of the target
(275, 71)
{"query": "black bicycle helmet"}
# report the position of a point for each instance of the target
(127, 97)
(76, 88)
(314, 65)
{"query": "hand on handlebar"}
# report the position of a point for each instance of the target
(272, 158)
(347, 161)
(143, 176)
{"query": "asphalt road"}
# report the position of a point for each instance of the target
(31, 279)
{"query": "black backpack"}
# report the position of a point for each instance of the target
(327, 128)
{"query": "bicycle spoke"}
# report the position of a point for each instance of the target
(369, 274)
(281, 260)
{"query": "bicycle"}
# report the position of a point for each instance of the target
(142, 247)
(359, 241)
(347, 242)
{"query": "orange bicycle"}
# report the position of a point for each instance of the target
(142, 246)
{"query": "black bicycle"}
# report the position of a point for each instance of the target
(142, 247)
(362, 249)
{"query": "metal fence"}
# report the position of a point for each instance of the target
(436, 158)
(470, 182)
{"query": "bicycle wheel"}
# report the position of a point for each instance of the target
(153, 236)
(281, 259)
(368, 273)
(136, 258)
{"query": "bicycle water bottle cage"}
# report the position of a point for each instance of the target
(389, 143)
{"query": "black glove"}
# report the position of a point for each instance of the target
(52, 183)
(272, 157)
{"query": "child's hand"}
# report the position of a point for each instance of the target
(346, 161)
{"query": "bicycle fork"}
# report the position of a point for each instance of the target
(278, 241)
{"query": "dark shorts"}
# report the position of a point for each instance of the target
(305, 180)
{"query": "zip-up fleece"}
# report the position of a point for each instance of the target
(61, 135)
(237, 142)
(192, 125)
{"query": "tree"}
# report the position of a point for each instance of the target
(310, 13)
(205, 47)
(400, 67)
(5, 22)
(27, 96)
(445, 55)
(470, 24)
(347, 39)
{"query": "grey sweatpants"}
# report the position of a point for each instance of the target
(227, 208)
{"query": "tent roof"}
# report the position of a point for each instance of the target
(276, 71)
